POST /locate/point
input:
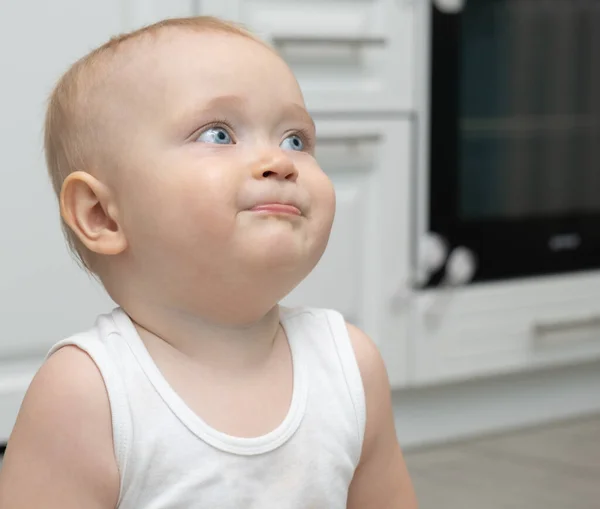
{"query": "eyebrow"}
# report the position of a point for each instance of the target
(223, 101)
(299, 112)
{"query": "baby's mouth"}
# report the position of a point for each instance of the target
(277, 208)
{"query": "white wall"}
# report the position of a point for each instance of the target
(43, 295)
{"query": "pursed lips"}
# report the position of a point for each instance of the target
(277, 208)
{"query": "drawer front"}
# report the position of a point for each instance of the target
(492, 329)
(354, 55)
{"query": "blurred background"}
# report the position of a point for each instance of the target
(463, 139)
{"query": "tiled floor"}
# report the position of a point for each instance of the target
(551, 467)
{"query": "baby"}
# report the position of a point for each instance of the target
(183, 157)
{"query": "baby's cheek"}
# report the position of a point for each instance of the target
(202, 211)
(324, 198)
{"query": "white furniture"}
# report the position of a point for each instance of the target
(354, 62)
(42, 295)
(362, 65)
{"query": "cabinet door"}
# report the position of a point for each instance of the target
(43, 295)
(366, 260)
(347, 55)
(496, 328)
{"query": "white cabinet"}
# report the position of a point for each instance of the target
(353, 55)
(366, 262)
(496, 328)
(43, 295)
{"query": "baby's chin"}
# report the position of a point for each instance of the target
(278, 253)
(281, 252)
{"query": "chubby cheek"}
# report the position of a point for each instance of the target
(323, 206)
(185, 213)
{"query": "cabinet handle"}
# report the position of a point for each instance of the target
(347, 139)
(548, 327)
(318, 39)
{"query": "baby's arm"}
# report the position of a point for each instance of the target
(381, 480)
(60, 454)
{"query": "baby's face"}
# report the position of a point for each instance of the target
(217, 185)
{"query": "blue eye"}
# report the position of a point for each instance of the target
(217, 135)
(293, 142)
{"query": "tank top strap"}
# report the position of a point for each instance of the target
(101, 345)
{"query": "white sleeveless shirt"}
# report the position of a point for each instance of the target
(169, 458)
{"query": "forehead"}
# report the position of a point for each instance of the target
(182, 67)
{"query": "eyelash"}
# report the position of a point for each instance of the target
(304, 134)
(219, 122)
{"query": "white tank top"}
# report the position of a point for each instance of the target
(169, 458)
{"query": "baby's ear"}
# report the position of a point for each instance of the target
(88, 208)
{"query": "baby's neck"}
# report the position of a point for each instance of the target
(226, 346)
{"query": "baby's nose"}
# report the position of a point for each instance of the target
(276, 166)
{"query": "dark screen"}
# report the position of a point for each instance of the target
(529, 108)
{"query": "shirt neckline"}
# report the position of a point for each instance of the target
(222, 441)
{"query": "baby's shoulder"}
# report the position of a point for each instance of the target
(66, 404)
(69, 391)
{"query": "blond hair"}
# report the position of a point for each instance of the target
(68, 123)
